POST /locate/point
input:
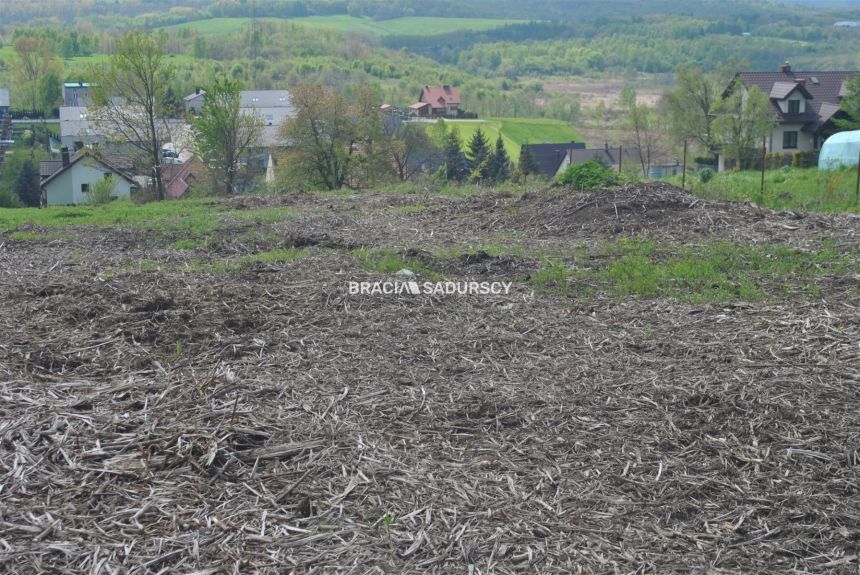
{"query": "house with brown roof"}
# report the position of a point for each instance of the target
(437, 101)
(805, 104)
(178, 178)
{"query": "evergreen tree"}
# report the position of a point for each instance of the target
(500, 163)
(455, 161)
(27, 185)
(479, 153)
(528, 164)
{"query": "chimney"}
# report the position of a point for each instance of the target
(197, 91)
(785, 68)
(64, 154)
(606, 145)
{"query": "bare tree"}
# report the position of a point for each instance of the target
(645, 134)
(130, 99)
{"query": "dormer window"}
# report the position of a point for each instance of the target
(794, 106)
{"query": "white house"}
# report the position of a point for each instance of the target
(76, 177)
(804, 104)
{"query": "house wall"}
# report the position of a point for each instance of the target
(783, 104)
(805, 140)
(65, 189)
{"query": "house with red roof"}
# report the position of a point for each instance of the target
(435, 101)
(805, 105)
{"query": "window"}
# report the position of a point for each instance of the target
(794, 106)
(85, 188)
(789, 140)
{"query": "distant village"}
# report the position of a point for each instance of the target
(804, 104)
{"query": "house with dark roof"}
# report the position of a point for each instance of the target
(74, 177)
(437, 101)
(549, 157)
(607, 156)
(194, 101)
(805, 104)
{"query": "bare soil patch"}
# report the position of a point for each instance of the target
(177, 417)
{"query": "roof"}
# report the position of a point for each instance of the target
(822, 90)
(419, 105)
(87, 154)
(76, 85)
(4, 97)
(194, 95)
(439, 97)
(781, 90)
(550, 156)
(48, 167)
(265, 99)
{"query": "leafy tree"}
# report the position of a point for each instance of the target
(50, 89)
(335, 143)
(130, 98)
(456, 166)
(528, 164)
(744, 118)
(690, 108)
(34, 61)
(225, 134)
(850, 107)
(479, 151)
(409, 144)
(27, 185)
(500, 163)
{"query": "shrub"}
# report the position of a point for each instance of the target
(8, 200)
(588, 175)
(101, 191)
(706, 175)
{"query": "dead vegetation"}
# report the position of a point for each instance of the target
(171, 417)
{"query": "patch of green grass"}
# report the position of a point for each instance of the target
(719, 272)
(515, 131)
(188, 244)
(552, 277)
(412, 26)
(785, 188)
(385, 261)
(237, 264)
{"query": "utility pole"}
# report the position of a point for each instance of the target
(857, 189)
(684, 168)
(763, 156)
(255, 45)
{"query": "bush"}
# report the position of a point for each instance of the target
(101, 191)
(8, 200)
(588, 175)
(706, 175)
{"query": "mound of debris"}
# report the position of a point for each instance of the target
(664, 211)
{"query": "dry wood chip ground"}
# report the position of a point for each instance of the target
(177, 418)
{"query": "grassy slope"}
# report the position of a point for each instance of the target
(787, 188)
(409, 26)
(516, 131)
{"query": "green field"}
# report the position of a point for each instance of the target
(516, 131)
(405, 26)
(784, 188)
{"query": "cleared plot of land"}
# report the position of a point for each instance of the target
(416, 26)
(516, 131)
(670, 386)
